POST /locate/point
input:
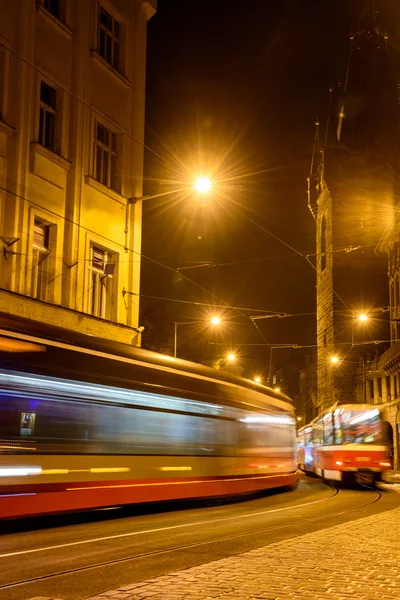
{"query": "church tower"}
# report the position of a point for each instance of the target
(350, 195)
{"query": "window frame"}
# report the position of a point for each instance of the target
(101, 291)
(40, 263)
(103, 149)
(45, 110)
(47, 5)
(4, 76)
(110, 34)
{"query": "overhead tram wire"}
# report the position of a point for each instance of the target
(86, 104)
(225, 304)
(122, 130)
(288, 246)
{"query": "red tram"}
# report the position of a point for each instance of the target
(345, 442)
(90, 423)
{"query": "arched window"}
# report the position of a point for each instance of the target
(323, 243)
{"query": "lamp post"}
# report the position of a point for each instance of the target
(202, 185)
(215, 320)
(361, 318)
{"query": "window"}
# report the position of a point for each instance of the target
(109, 38)
(48, 115)
(328, 429)
(101, 278)
(323, 243)
(41, 250)
(54, 7)
(2, 77)
(105, 156)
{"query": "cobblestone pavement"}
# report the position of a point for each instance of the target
(357, 560)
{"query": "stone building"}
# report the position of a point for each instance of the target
(353, 195)
(72, 92)
(352, 187)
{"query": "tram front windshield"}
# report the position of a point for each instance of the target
(358, 427)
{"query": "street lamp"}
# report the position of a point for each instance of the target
(361, 318)
(277, 389)
(202, 185)
(214, 321)
(257, 379)
(334, 360)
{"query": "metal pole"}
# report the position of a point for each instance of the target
(175, 337)
(270, 365)
(363, 381)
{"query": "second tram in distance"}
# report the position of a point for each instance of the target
(346, 442)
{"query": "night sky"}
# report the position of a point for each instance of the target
(234, 88)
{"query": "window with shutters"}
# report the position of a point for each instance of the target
(41, 251)
(48, 116)
(108, 44)
(105, 156)
(101, 278)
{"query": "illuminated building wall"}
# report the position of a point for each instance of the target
(352, 193)
(72, 86)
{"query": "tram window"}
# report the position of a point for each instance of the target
(361, 427)
(308, 437)
(77, 426)
(318, 433)
(337, 428)
(328, 429)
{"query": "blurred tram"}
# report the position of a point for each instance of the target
(344, 443)
(90, 423)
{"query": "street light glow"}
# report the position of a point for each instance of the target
(215, 320)
(257, 379)
(231, 357)
(363, 317)
(203, 185)
(277, 389)
(334, 360)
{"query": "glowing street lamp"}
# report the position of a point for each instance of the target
(231, 357)
(334, 360)
(203, 185)
(215, 320)
(257, 379)
(277, 389)
(363, 317)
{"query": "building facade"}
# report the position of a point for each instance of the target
(353, 195)
(72, 97)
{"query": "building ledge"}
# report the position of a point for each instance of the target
(5, 128)
(23, 306)
(103, 189)
(60, 161)
(108, 68)
(54, 22)
(150, 7)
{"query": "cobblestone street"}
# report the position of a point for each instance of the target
(357, 560)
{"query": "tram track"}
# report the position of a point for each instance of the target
(182, 547)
